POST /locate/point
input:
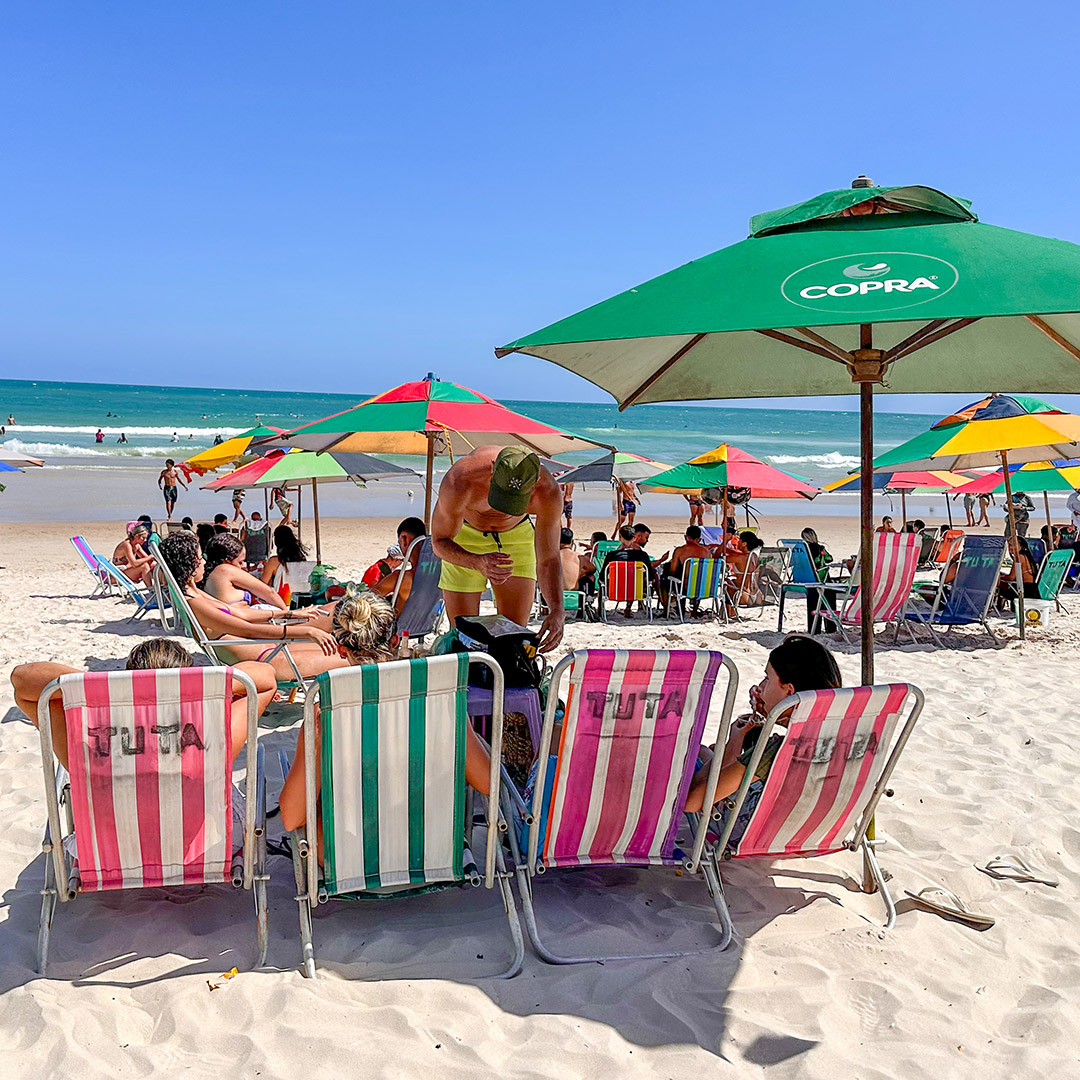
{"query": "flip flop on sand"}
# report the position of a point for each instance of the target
(1011, 867)
(940, 900)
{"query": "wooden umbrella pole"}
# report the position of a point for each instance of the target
(427, 481)
(299, 512)
(948, 508)
(315, 511)
(903, 509)
(1049, 522)
(866, 527)
(1018, 570)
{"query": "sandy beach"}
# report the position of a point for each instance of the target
(811, 987)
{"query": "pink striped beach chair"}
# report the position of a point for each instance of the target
(614, 792)
(149, 797)
(896, 558)
(830, 770)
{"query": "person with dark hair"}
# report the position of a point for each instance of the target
(575, 567)
(1006, 590)
(693, 548)
(221, 523)
(409, 530)
(629, 552)
(288, 551)
(205, 533)
(314, 652)
(226, 578)
(745, 589)
(167, 481)
(187, 523)
(798, 663)
(29, 680)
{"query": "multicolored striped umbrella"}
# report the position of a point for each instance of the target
(431, 417)
(729, 467)
(618, 465)
(229, 452)
(905, 482)
(1032, 476)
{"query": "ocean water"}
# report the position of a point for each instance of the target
(87, 481)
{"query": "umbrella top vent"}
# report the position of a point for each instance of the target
(862, 181)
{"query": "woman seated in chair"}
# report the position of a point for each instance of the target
(365, 632)
(744, 589)
(797, 663)
(130, 554)
(29, 680)
(226, 579)
(318, 653)
(1006, 590)
(287, 552)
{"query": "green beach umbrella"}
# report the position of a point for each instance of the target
(898, 288)
(1033, 477)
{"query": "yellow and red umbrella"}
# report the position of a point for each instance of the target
(229, 452)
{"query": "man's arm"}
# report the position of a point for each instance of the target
(549, 565)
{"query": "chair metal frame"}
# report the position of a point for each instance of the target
(61, 873)
(1056, 558)
(602, 593)
(701, 859)
(677, 588)
(437, 609)
(310, 894)
(795, 547)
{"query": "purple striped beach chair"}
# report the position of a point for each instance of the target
(103, 583)
(631, 731)
(896, 558)
(829, 772)
(149, 799)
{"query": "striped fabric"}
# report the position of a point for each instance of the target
(150, 758)
(631, 733)
(896, 558)
(950, 541)
(836, 747)
(702, 578)
(393, 772)
(624, 581)
(93, 564)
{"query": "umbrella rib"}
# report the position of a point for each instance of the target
(662, 370)
(787, 339)
(1054, 336)
(838, 353)
(937, 335)
(913, 339)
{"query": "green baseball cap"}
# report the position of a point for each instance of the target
(513, 478)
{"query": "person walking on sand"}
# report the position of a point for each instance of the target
(482, 531)
(628, 501)
(167, 481)
(969, 510)
(238, 504)
(568, 503)
(984, 503)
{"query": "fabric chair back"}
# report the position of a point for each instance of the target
(803, 570)
(1038, 552)
(625, 581)
(257, 544)
(896, 558)
(631, 731)
(601, 550)
(951, 540)
(424, 605)
(86, 553)
(1053, 572)
(150, 758)
(703, 579)
(929, 542)
(828, 772)
(393, 772)
(976, 580)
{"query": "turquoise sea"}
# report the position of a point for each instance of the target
(58, 421)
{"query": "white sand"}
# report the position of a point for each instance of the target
(811, 987)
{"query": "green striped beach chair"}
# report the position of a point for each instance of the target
(393, 793)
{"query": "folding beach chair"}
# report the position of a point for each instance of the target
(773, 569)
(804, 575)
(257, 545)
(1038, 551)
(613, 794)
(829, 773)
(601, 550)
(968, 597)
(181, 619)
(148, 801)
(702, 579)
(145, 598)
(1052, 575)
(102, 583)
(896, 557)
(393, 797)
(950, 542)
(623, 582)
(423, 609)
(929, 545)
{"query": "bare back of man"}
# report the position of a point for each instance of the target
(479, 543)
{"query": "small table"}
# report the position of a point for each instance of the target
(522, 699)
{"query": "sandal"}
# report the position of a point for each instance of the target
(1012, 867)
(941, 901)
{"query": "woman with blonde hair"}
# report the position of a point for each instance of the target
(365, 629)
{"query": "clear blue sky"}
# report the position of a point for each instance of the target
(345, 195)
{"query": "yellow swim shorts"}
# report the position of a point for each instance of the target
(517, 542)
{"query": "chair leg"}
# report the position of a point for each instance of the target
(262, 915)
(307, 945)
(525, 891)
(715, 886)
(48, 906)
(872, 872)
(511, 917)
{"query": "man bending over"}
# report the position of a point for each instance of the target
(481, 530)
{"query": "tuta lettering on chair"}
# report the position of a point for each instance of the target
(625, 704)
(133, 740)
(820, 751)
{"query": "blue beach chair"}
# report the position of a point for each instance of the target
(968, 598)
(803, 574)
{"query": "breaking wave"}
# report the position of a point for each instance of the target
(48, 449)
(833, 460)
(201, 433)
